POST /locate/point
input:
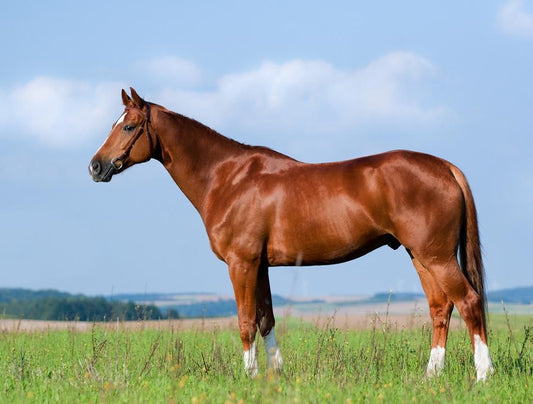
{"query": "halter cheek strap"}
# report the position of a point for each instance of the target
(118, 162)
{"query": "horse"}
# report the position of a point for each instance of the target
(263, 209)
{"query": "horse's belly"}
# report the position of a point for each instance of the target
(319, 240)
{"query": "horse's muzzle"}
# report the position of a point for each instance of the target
(101, 172)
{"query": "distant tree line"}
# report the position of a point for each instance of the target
(53, 305)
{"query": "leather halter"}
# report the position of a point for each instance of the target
(118, 162)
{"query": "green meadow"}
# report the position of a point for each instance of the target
(383, 363)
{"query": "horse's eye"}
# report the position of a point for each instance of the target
(128, 128)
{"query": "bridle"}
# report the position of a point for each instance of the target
(118, 162)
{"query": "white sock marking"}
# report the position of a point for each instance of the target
(275, 361)
(482, 359)
(436, 361)
(250, 361)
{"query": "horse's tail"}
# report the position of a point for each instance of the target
(469, 244)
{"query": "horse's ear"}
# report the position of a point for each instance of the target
(139, 102)
(126, 100)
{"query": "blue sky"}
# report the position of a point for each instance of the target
(320, 83)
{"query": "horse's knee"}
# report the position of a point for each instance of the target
(247, 331)
(440, 314)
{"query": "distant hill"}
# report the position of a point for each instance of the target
(56, 305)
(210, 305)
(516, 295)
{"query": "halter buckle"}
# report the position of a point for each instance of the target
(119, 165)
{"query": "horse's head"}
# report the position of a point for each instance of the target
(128, 143)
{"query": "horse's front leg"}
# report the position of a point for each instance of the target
(265, 319)
(243, 275)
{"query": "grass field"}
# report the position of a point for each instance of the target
(382, 363)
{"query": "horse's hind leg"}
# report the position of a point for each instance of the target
(440, 310)
(454, 284)
(265, 319)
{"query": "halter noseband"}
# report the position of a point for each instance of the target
(118, 162)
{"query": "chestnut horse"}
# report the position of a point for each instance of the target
(262, 208)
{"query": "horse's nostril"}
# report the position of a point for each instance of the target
(95, 167)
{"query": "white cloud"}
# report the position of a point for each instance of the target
(514, 20)
(313, 96)
(58, 112)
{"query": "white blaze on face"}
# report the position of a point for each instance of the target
(118, 122)
(121, 119)
(436, 361)
(250, 361)
(482, 359)
(275, 360)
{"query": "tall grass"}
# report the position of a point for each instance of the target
(322, 364)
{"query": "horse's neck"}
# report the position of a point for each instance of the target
(191, 152)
